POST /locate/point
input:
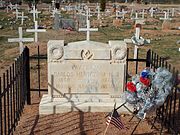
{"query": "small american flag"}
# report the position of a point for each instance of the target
(115, 120)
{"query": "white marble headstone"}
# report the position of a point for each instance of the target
(87, 73)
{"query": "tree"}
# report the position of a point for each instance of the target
(103, 5)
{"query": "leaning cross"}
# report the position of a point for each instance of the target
(137, 40)
(36, 30)
(20, 40)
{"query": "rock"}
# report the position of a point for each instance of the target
(178, 42)
(1, 27)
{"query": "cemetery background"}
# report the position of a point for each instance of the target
(161, 39)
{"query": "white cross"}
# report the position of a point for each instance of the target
(166, 16)
(136, 17)
(137, 41)
(98, 11)
(120, 14)
(88, 29)
(20, 40)
(10, 5)
(17, 14)
(152, 11)
(35, 30)
(55, 11)
(142, 14)
(53, 4)
(22, 18)
(173, 12)
(35, 13)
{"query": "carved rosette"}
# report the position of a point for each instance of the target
(119, 53)
(86, 55)
(56, 53)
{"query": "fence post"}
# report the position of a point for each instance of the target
(27, 75)
(148, 58)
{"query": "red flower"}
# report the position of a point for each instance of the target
(131, 87)
(145, 81)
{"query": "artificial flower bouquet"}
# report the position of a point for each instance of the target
(149, 90)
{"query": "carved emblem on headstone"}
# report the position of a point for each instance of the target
(56, 53)
(86, 54)
(119, 52)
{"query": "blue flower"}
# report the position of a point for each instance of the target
(144, 74)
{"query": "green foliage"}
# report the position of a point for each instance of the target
(103, 5)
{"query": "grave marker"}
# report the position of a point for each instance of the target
(17, 14)
(22, 18)
(88, 29)
(35, 13)
(20, 40)
(84, 76)
(137, 40)
(166, 16)
(35, 30)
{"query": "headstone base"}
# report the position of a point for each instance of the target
(83, 103)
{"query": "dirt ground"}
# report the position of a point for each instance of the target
(78, 123)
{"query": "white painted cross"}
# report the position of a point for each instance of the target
(142, 13)
(152, 11)
(137, 40)
(136, 17)
(166, 16)
(35, 30)
(53, 4)
(17, 14)
(20, 40)
(88, 29)
(35, 13)
(173, 12)
(55, 11)
(22, 18)
(98, 11)
(120, 14)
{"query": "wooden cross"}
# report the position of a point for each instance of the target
(20, 40)
(35, 30)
